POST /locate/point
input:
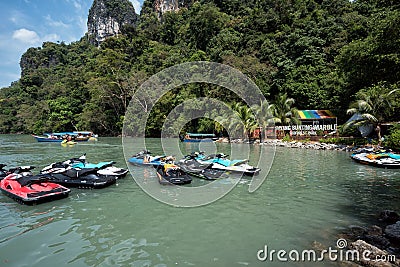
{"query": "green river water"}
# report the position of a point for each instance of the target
(308, 196)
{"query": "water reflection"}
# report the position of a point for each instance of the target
(308, 196)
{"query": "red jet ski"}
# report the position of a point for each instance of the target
(32, 189)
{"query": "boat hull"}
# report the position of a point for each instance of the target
(164, 179)
(46, 139)
(197, 140)
(58, 140)
(35, 192)
(90, 181)
(138, 161)
(380, 163)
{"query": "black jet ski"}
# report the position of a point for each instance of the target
(172, 174)
(105, 168)
(3, 172)
(24, 170)
(84, 178)
(200, 170)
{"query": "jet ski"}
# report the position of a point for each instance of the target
(84, 178)
(221, 162)
(103, 168)
(144, 157)
(3, 172)
(381, 160)
(32, 189)
(106, 168)
(200, 170)
(24, 170)
(171, 174)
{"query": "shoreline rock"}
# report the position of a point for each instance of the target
(291, 144)
(382, 239)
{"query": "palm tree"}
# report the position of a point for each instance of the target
(283, 111)
(243, 122)
(245, 119)
(264, 116)
(373, 106)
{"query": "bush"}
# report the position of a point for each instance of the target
(286, 138)
(393, 139)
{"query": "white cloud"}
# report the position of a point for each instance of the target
(75, 3)
(53, 37)
(136, 4)
(54, 23)
(17, 17)
(26, 36)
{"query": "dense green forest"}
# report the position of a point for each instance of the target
(321, 53)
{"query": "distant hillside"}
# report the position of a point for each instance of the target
(319, 52)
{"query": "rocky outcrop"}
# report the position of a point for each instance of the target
(381, 242)
(162, 6)
(393, 231)
(106, 18)
(373, 254)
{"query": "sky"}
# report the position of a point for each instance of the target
(29, 23)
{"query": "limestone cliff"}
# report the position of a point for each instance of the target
(162, 6)
(106, 18)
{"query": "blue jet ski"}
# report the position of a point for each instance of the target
(220, 162)
(145, 158)
(105, 168)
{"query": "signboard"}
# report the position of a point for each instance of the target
(307, 129)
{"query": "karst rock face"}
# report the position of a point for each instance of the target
(162, 6)
(107, 17)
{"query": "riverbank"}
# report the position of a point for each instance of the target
(295, 144)
(379, 243)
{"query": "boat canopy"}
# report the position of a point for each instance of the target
(83, 132)
(62, 133)
(75, 133)
(200, 135)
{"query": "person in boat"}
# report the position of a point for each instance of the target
(68, 138)
(146, 159)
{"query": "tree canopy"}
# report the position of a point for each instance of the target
(322, 53)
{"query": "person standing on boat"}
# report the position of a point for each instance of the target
(378, 133)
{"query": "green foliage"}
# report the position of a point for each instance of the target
(283, 112)
(374, 105)
(286, 138)
(323, 54)
(393, 139)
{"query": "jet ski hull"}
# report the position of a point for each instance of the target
(85, 182)
(36, 191)
(179, 178)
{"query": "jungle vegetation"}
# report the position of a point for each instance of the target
(323, 54)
